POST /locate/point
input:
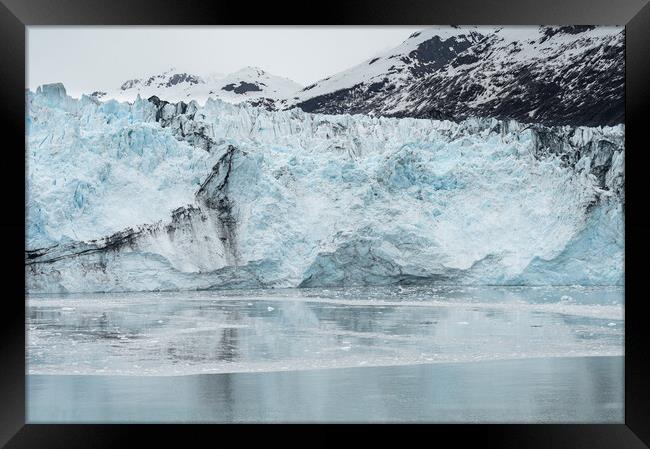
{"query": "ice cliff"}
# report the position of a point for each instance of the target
(153, 195)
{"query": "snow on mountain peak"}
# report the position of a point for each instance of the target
(557, 75)
(546, 73)
(250, 71)
(246, 84)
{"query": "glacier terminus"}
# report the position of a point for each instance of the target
(237, 196)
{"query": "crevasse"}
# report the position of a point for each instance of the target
(159, 196)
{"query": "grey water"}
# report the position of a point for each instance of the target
(427, 354)
(552, 390)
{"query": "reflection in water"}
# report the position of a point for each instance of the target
(211, 332)
(577, 390)
(527, 353)
(227, 347)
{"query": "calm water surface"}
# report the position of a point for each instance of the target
(444, 354)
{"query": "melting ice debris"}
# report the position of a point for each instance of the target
(270, 309)
(234, 196)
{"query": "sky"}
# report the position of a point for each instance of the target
(85, 59)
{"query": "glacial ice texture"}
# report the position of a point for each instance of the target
(160, 196)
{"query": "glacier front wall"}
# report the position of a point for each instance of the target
(160, 196)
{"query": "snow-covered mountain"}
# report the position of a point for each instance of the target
(566, 75)
(153, 195)
(250, 84)
(555, 75)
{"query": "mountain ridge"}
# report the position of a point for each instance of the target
(554, 75)
(249, 84)
(571, 75)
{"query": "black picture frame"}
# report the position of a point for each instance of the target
(15, 15)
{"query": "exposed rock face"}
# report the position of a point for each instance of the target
(243, 87)
(551, 75)
(129, 84)
(177, 78)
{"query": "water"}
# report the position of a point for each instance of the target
(248, 331)
(93, 352)
(551, 390)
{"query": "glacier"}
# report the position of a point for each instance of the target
(152, 195)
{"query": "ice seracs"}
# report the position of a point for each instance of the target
(125, 196)
(95, 168)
